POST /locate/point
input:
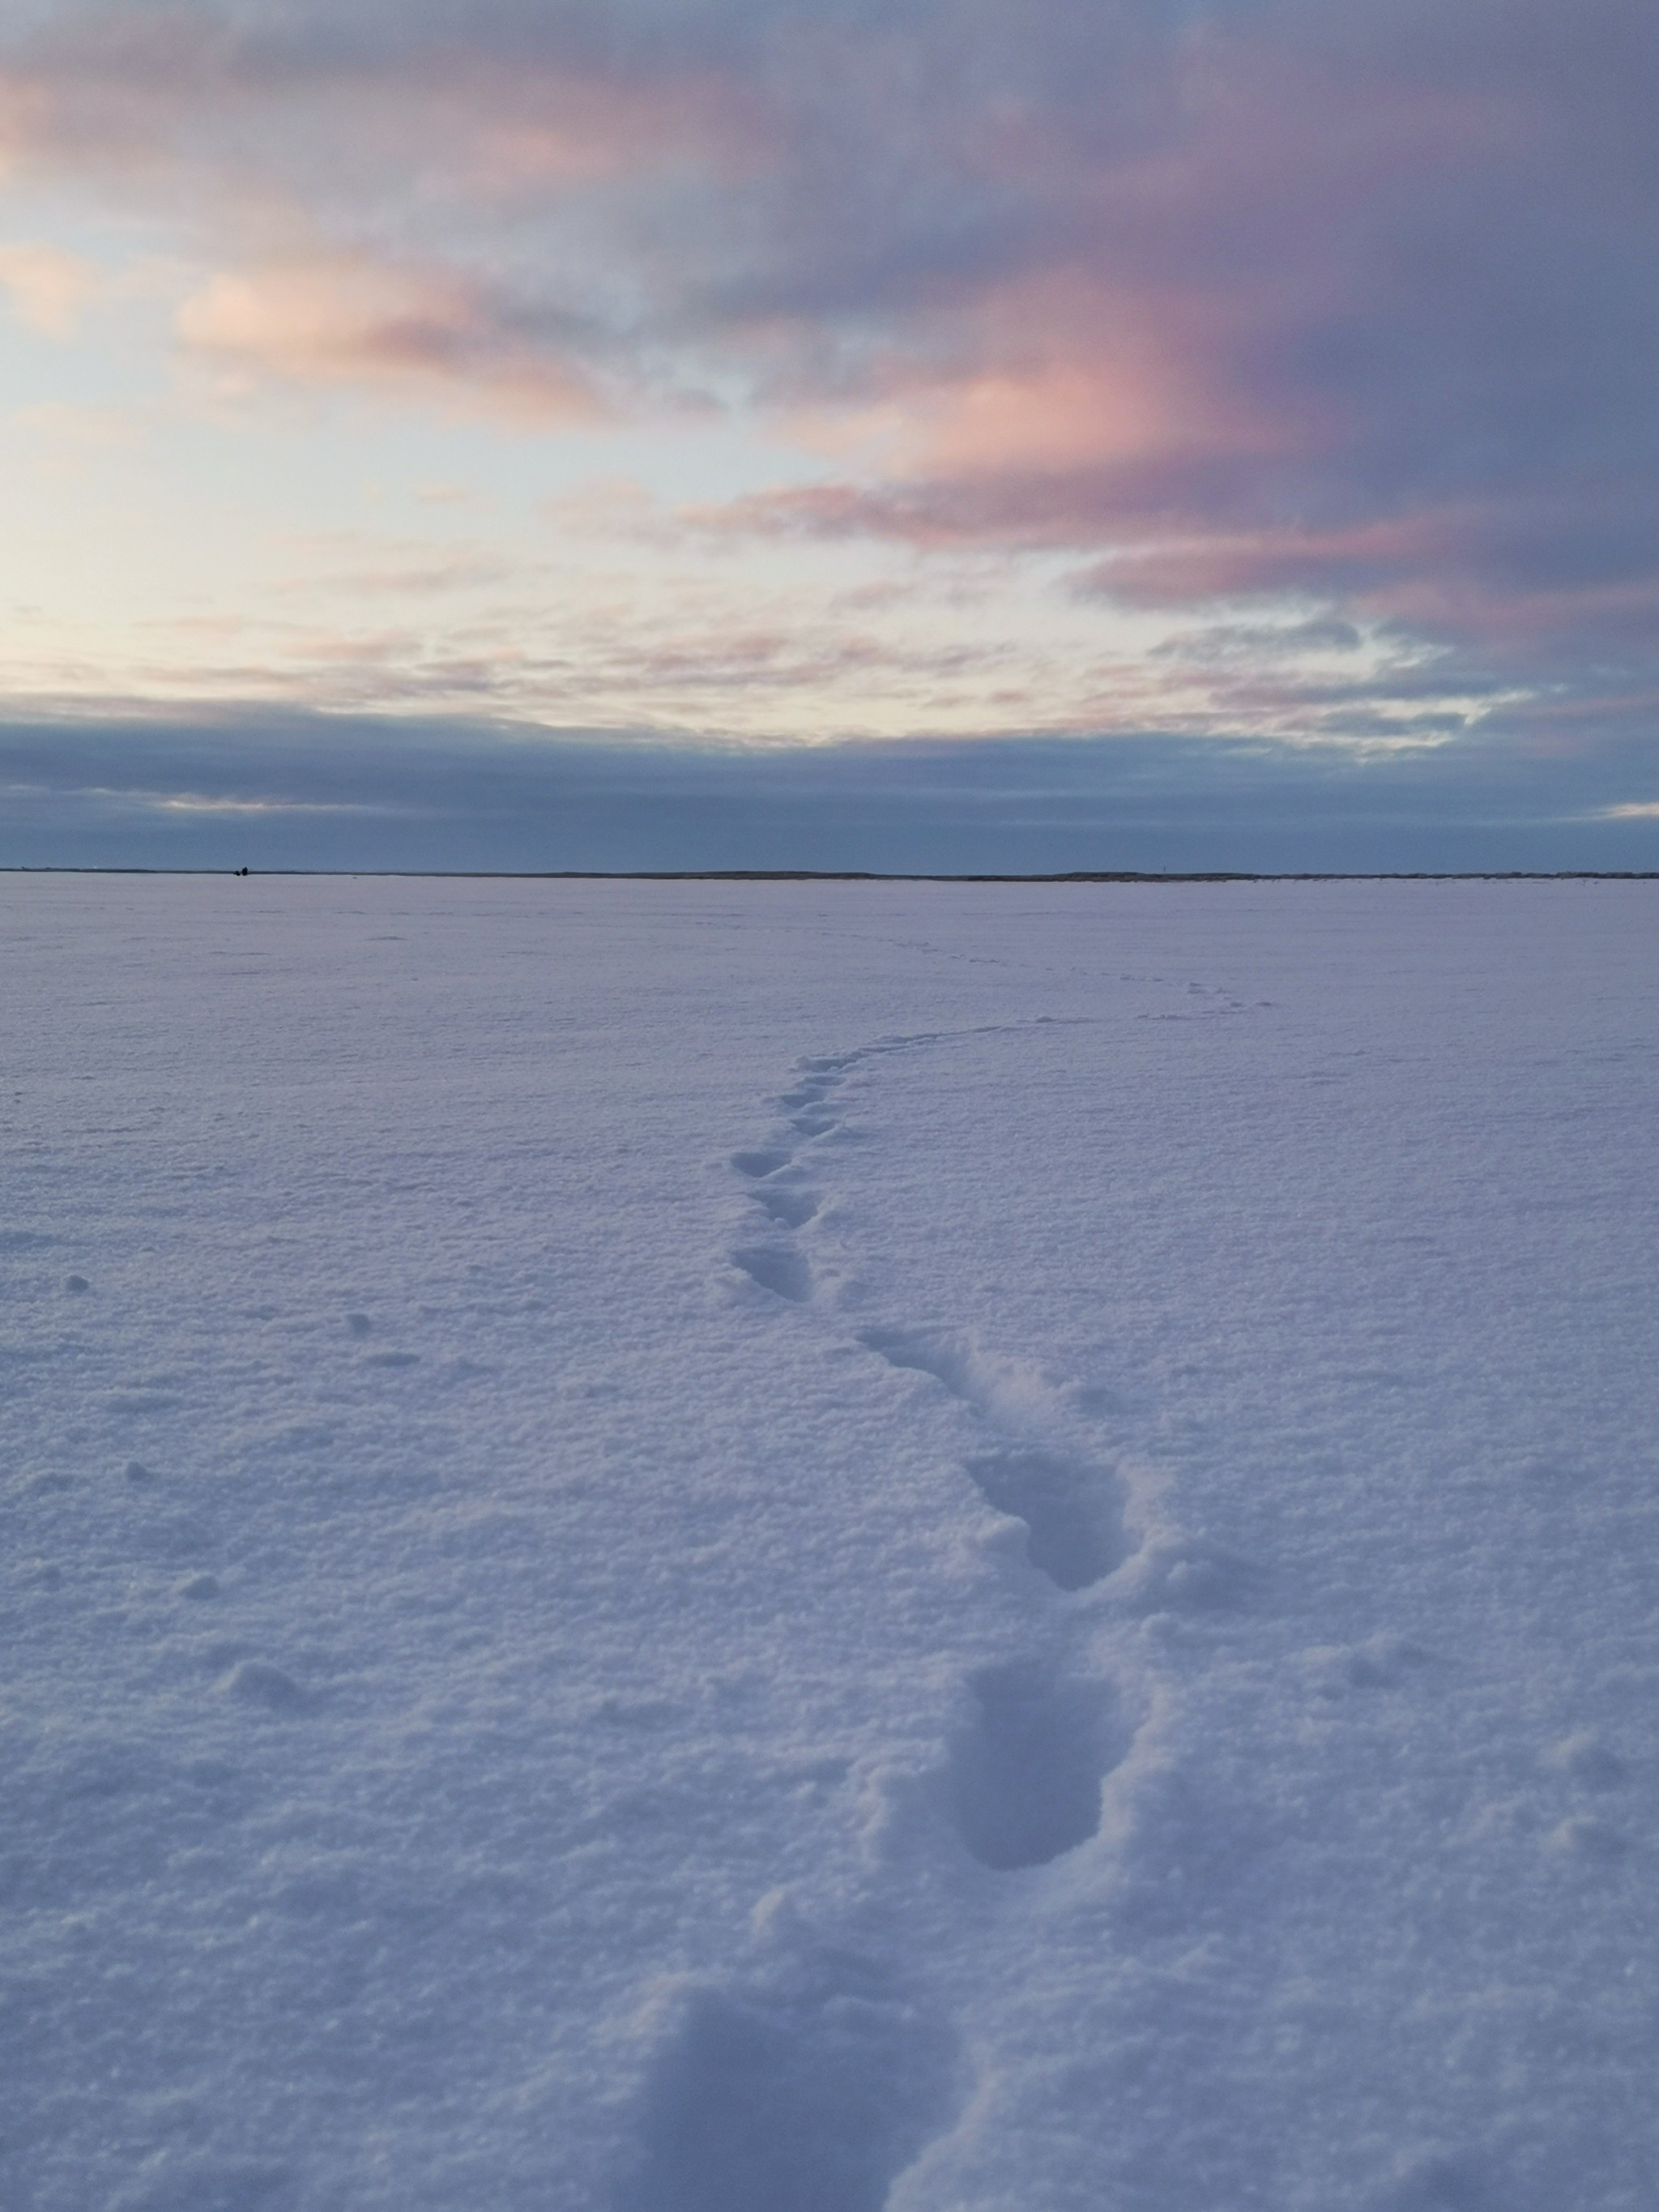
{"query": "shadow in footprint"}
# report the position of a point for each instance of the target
(759, 1164)
(1025, 1775)
(922, 1354)
(1074, 1532)
(809, 2100)
(776, 1268)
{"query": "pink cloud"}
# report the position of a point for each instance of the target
(334, 319)
(48, 287)
(334, 107)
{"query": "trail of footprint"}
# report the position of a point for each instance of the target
(780, 1266)
(815, 2090)
(812, 2086)
(807, 1108)
(1073, 1506)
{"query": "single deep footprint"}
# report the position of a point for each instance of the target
(1025, 1774)
(790, 1209)
(1074, 1529)
(776, 1268)
(806, 2100)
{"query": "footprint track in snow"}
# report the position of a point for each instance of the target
(1024, 1780)
(760, 1163)
(791, 1208)
(1074, 1534)
(811, 2092)
(816, 2091)
(778, 1268)
(1072, 1507)
(256, 1683)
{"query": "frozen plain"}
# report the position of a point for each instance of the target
(804, 1549)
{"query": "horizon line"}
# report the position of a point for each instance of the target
(876, 876)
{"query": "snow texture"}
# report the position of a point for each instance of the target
(810, 1548)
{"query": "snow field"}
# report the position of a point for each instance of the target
(810, 1548)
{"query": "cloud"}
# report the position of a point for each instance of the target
(297, 790)
(73, 426)
(48, 287)
(1299, 305)
(335, 318)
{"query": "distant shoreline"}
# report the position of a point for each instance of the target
(872, 876)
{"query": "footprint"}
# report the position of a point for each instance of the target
(806, 2099)
(776, 1268)
(1075, 1534)
(790, 1209)
(760, 1163)
(813, 1123)
(1384, 1662)
(258, 1683)
(1025, 1775)
(924, 1352)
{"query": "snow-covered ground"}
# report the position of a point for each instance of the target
(791, 1548)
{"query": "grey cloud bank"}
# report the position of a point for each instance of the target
(313, 792)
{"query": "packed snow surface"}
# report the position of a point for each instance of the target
(804, 1549)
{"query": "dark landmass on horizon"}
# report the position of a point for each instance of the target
(896, 876)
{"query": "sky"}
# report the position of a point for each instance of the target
(950, 433)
